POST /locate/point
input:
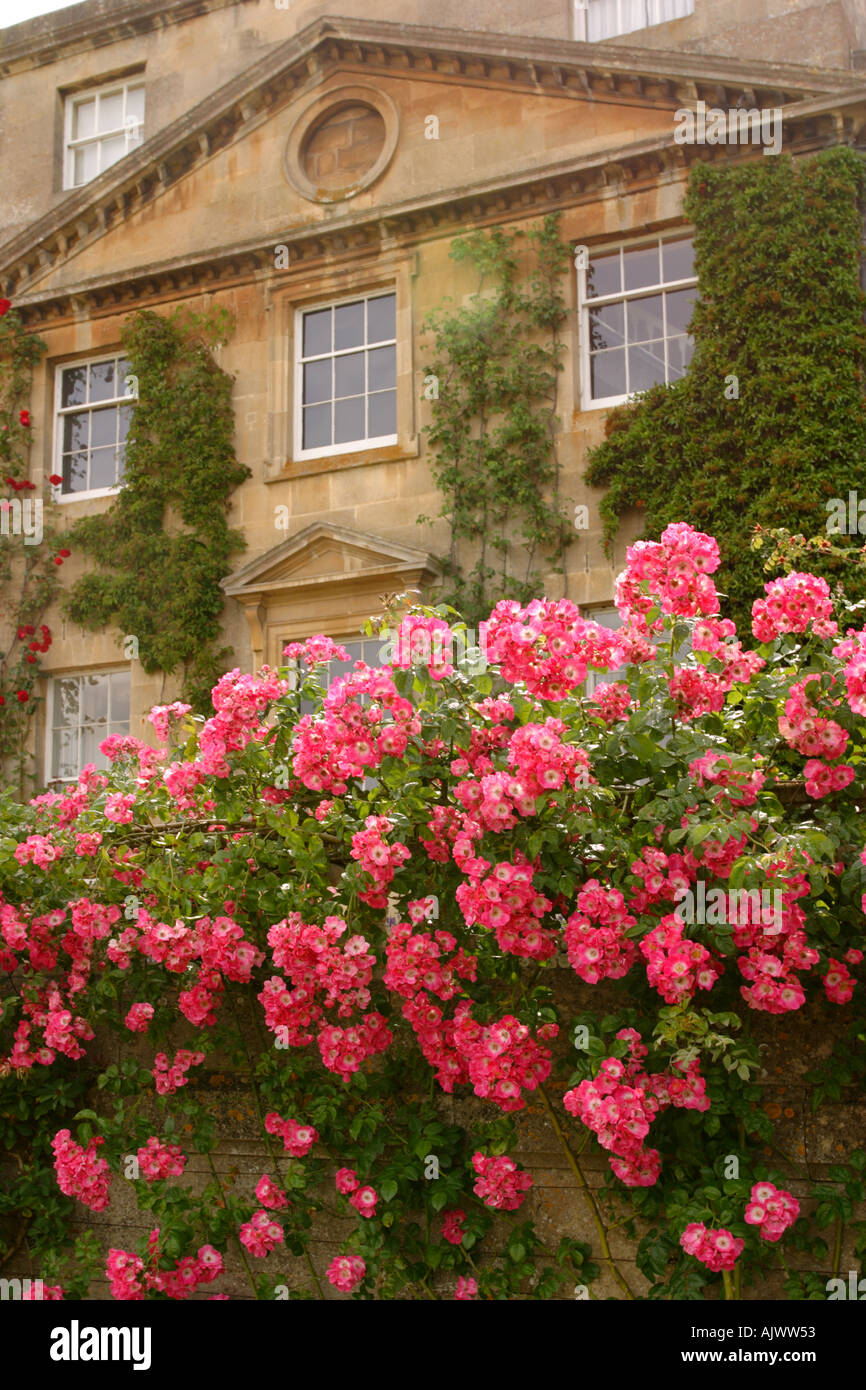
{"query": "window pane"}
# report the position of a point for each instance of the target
(383, 414)
(74, 473)
(91, 737)
(135, 103)
(382, 318)
(680, 352)
(646, 366)
(349, 374)
(86, 164)
(111, 111)
(94, 699)
(645, 319)
(119, 697)
(641, 267)
(103, 467)
(112, 150)
(66, 702)
(84, 119)
(678, 259)
(317, 333)
(603, 276)
(103, 384)
(679, 309)
(382, 368)
(64, 753)
(317, 381)
(103, 427)
(349, 420)
(607, 373)
(607, 327)
(75, 432)
(317, 427)
(73, 387)
(124, 416)
(349, 325)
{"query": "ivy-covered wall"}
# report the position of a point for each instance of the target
(769, 423)
(165, 543)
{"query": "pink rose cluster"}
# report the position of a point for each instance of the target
(548, 645)
(170, 1076)
(718, 1250)
(621, 1102)
(793, 604)
(80, 1172)
(506, 903)
(595, 934)
(129, 1278)
(157, 1160)
(378, 858)
(297, 1138)
(676, 571)
(502, 1058)
(270, 1195)
(500, 1183)
(675, 966)
(772, 1210)
(346, 1272)
(349, 738)
(362, 1198)
(424, 641)
(160, 716)
(260, 1234)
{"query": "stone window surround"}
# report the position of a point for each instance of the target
(389, 274)
(672, 232)
(55, 368)
(130, 76)
(322, 451)
(44, 735)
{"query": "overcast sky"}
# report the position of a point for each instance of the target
(14, 11)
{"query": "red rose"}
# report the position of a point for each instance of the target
(55, 478)
(24, 417)
(5, 306)
(2, 699)
(57, 560)
(65, 553)
(22, 696)
(30, 658)
(34, 646)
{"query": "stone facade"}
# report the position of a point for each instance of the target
(287, 163)
(295, 167)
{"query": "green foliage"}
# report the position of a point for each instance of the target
(164, 544)
(778, 245)
(28, 574)
(493, 431)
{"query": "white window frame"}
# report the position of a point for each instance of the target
(134, 137)
(587, 402)
(349, 446)
(57, 493)
(50, 694)
(655, 15)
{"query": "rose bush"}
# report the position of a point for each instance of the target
(420, 889)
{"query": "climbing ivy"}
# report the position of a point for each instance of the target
(492, 387)
(29, 556)
(769, 423)
(164, 544)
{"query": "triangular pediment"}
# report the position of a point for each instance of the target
(218, 182)
(325, 554)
